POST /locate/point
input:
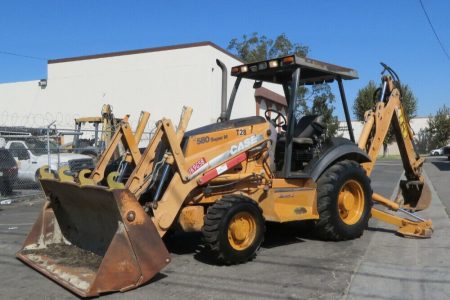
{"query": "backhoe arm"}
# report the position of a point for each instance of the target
(413, 193)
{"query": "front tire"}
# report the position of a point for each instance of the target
(234, 229)
(344, 201)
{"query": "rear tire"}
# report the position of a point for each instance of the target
(344, 201)
(234, 229)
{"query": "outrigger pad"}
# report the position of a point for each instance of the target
(414, 197)
(92, 240)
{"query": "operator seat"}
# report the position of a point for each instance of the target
(307, 129)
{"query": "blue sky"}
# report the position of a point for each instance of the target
(356, 34)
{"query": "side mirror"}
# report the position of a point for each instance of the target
(23, 155)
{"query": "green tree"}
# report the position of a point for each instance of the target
(439, 127)
(317, 100)
(322, 104)
(366, 100)
(256, 48)
(423, 140)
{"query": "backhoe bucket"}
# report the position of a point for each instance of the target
(413, 197)
(92, 240)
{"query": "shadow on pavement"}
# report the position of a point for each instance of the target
(289, 233)
(443, 165)
(376, 229)
(276, 235)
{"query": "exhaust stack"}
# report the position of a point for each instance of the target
(223, 110)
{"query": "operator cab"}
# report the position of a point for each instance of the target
(299, 142)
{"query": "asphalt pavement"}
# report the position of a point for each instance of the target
(292, 264)
(438, 170)
(403, 268)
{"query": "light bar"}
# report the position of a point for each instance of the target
(262, 66)
(288, 60)
(273, 63)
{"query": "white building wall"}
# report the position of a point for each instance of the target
(18, 103)
(160, 82)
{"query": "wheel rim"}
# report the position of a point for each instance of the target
(242, 231)
(351, 202)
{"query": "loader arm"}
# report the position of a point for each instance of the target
(413, 193)
(130, 141)
(138, 181)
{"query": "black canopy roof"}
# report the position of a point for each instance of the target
(312, 71)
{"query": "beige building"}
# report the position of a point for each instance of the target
(159, 80)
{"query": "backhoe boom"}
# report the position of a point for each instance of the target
(413, 193)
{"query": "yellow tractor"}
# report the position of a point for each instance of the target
(101, 231)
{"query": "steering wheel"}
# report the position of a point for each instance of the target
(278, 121)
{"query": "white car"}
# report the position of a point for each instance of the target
(32, 154)
(436, 152)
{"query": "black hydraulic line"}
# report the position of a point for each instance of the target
(344, 104)
(123, 166)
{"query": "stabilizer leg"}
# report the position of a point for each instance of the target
(418, 228)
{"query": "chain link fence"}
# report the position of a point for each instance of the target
(23, 151)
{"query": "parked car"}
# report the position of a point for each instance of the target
(32, 154)
(8, 172)
(436, 152)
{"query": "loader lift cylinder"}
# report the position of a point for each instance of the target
(164, 176)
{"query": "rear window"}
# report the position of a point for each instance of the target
(6, 159)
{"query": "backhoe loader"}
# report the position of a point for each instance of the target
(102, 230)
(103, 129)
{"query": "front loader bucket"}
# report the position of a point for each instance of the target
(413, 197)
(92, 240)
